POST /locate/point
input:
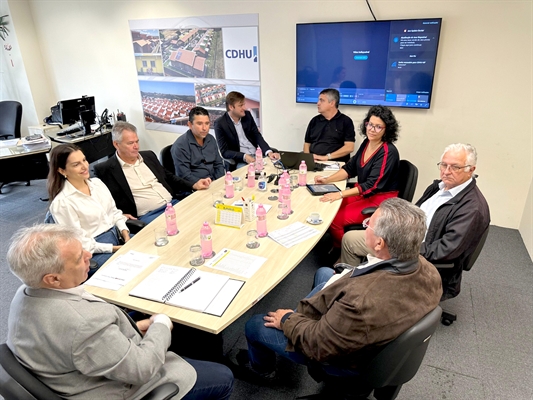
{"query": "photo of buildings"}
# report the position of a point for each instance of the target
(209, 95)
(167, 102)
(192, 53)
(147, 49)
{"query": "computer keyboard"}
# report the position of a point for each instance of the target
(71, 129)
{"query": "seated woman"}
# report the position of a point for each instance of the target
(79, 201)
(376, 165)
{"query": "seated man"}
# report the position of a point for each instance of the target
(139, 184)
(347, 318)
(195, 153)
(237, 134)
(330, 135)
(457, 214)
(83, 347)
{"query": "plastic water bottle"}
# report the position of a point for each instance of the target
(261, 221)
(229, 186)
(206, 240)
(302, 176)
(170, 217)
(284, 178)
(262, 184)
(258, 159)
(251, 175)
(285, 196)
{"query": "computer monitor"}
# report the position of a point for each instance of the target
(70, 109)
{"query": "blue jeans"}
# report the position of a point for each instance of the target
(151, 215)
(110, 236)
(264, 343)
(213, 381)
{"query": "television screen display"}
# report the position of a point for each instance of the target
(390, 63)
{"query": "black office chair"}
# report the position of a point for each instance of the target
(447, 317)
(397, 363)
(10, 119)
(165, 158)
(408, 175)
(17, 383)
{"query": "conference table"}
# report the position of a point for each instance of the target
(191, 212)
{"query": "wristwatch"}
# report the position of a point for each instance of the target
(329, 156)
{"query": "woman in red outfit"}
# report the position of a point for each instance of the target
(376, 165)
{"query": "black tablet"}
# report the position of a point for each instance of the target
(319, 190)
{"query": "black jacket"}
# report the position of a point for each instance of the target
(110, 172)
(228, 141)
(454, 232)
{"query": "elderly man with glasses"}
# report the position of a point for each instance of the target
(457, 214)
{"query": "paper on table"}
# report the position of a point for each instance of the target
(236, 262)
(8, 143)
(122, 270)
(293, 234)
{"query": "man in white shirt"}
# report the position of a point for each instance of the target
(139, 184)
(457, 214)
(83, 347)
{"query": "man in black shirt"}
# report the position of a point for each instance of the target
(330, 135)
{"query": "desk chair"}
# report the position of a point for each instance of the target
(10, 119)
(408, 175)
(447, 317)
(165, 158)
(397, 363)
(17, 383)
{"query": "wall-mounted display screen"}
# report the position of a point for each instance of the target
(370, 62)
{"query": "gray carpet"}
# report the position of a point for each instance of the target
(486, 354)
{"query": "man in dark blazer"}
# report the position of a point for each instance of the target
(137, 181)
(237, 134)
(457, 215)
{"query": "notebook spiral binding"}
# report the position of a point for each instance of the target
(174, 289)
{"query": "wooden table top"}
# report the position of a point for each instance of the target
(191, 213)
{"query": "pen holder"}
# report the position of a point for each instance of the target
(248, 210)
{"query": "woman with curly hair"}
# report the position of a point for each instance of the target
(376, 165)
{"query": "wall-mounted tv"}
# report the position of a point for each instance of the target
(370, 62)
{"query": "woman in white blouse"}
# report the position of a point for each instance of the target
(84, 202)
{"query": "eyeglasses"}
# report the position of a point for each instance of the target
(365, 223)
(376, 128)
(454, 168)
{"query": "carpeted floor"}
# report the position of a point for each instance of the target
(486, 354)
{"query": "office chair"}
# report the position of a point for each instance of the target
(447, 317)
(10, 119)
(408, 175)
(397, 363)
(17, 383)
(165, 158)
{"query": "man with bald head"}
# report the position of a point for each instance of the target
(457, 214)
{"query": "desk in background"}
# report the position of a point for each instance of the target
(20, 163)
(191, 212)
(94, 147)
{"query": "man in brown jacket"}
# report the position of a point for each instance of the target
(347, 317)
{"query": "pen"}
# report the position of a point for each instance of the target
(190, 284)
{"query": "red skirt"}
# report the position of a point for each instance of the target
(350, 212)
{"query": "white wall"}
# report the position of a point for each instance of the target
(526, 224)
(482, 89)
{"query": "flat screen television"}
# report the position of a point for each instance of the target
(390, 63)
(70, 109)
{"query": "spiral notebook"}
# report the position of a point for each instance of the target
(189, 288)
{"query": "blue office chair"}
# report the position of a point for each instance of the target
(17, 383)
